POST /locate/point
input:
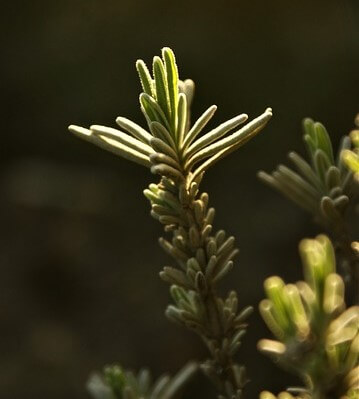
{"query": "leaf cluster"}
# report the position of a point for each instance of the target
(180, 153)
(324, 185)
(117, 383)
(351, 157)
(171, 147)
(317, 337)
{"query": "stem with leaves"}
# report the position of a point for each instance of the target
(317, 338)
(171, 148)
(327, 189)
(117, 383)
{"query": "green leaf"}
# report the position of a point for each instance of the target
(161, 87)
(199, 126)
(182, 118)
(323, 141)
(307, 172)
(319, 261)
(296, 193)
(159, 131)
(179, 380)
(145, 77)
(332, 178)
(160, 146)
(215, 134)
(308, 126)
(153, 110)
(354, 135)
(98, 388)
(136, 130)
(296, 181)
(111, 145)
(122, 138)
(231, 142)
(321, 164)
(351, 159)
(172, 83)
(266, 309)
(274, 289)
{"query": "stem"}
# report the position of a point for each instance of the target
(219, 325)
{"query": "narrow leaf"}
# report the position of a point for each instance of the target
(159, 131)
(111, 145)
(294, 179)
(145, 77)
(323, 140)
(179, 380)
(161, 86)
(274, 183)
(187, 87)
(172, 82)
(296, 193)
(305, 169)
(160, 146)
(233, 141)
(321, 164)
(332, 178)
(157, 158)
(121, 137)
(215, 134)
(166, 170)
(136, 130)
(182, 118)
(199, 126)
(153, 110)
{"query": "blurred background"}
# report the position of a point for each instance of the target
(79, 258)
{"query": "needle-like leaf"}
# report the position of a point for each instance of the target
(161, 87)
(172, 83)
(199, 126)
(136, 130)
(215, 134)
(111, 145)
(121, 137)
(145, 77)
(182, 118)
(235, 139)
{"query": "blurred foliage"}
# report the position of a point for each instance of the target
(327, 188)
(317, 337)
(117, 383)
(351, 157)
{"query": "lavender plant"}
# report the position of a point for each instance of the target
(326, 188)
(351, 157)
(119, 383)
(316, 335)
(172, 149)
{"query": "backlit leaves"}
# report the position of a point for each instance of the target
(165, 103)
(317, 338)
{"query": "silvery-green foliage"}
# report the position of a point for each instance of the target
(351, 157)
(323, 186)
(317, 338)
(180, 153)
(117, 383)
(326, 188)
(171, 146)
(283, 395)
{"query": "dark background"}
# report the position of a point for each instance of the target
(79, 258)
